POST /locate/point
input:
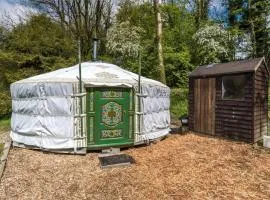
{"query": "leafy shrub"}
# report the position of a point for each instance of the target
(5, 104)
(179, 102)
(213, 44)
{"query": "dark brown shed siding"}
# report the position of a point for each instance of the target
(191, 105)
(234, 118)
(244, 120)
(260, 99)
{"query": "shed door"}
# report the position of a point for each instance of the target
(111, 125)
(204, 105)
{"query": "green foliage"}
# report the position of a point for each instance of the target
(143, 17)
(259, 12)
(179, 102)
(4, 124)
(250, 17)
(4, 127)
(40, 35)
(1, 149)
(124, 40)
(5, 103)
(213, 44)
(37, 46)
(13, 68)
(52, 63)
(178, 28)
(3, 38)
(178, 67)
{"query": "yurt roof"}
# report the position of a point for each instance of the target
(93, 73)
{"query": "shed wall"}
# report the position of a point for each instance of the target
(191, 105)
(260, 99)
(234, 118)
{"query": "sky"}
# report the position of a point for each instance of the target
(13, 9)
(217, 10)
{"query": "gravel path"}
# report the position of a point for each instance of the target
(187, 166)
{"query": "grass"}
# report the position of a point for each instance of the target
(179, 102)
(1, 149)
(4, 125)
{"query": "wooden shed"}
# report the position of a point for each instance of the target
(230, 99)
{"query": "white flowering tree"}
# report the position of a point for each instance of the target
(124, 40)
(213, 44)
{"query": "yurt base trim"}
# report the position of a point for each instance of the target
(64, 151)
(106, 146)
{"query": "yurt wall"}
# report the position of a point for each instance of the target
(44, 115)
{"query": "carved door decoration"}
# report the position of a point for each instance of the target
(111, 113)
(110, 117)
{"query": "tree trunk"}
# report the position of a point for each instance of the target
(252, 30)
(159, 41)
(201, 11)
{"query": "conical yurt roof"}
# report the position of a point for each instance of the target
(93, 73)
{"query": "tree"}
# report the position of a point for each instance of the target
(143, 17)
(257, 13)
(3, 36)
(124, 41)
(159, 41)
(250, 17)
(200, 8)
(40, 35)
(178, 27)
(213, 44)
(36, 46)
(234, 11)
(85, 19)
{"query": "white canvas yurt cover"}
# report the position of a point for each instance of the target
(46, 108)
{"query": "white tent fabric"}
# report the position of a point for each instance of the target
(43, 108)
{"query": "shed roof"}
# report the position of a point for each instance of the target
(234, 67)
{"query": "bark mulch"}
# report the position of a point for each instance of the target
(187, 166)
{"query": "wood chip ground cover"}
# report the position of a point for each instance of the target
(180, 167)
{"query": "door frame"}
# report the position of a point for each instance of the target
(91, 121)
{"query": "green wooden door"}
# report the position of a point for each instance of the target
(110, 117)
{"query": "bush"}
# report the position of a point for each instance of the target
(5, 104)
(179, 102)
(4, 124)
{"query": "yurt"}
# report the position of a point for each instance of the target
(114, 109)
